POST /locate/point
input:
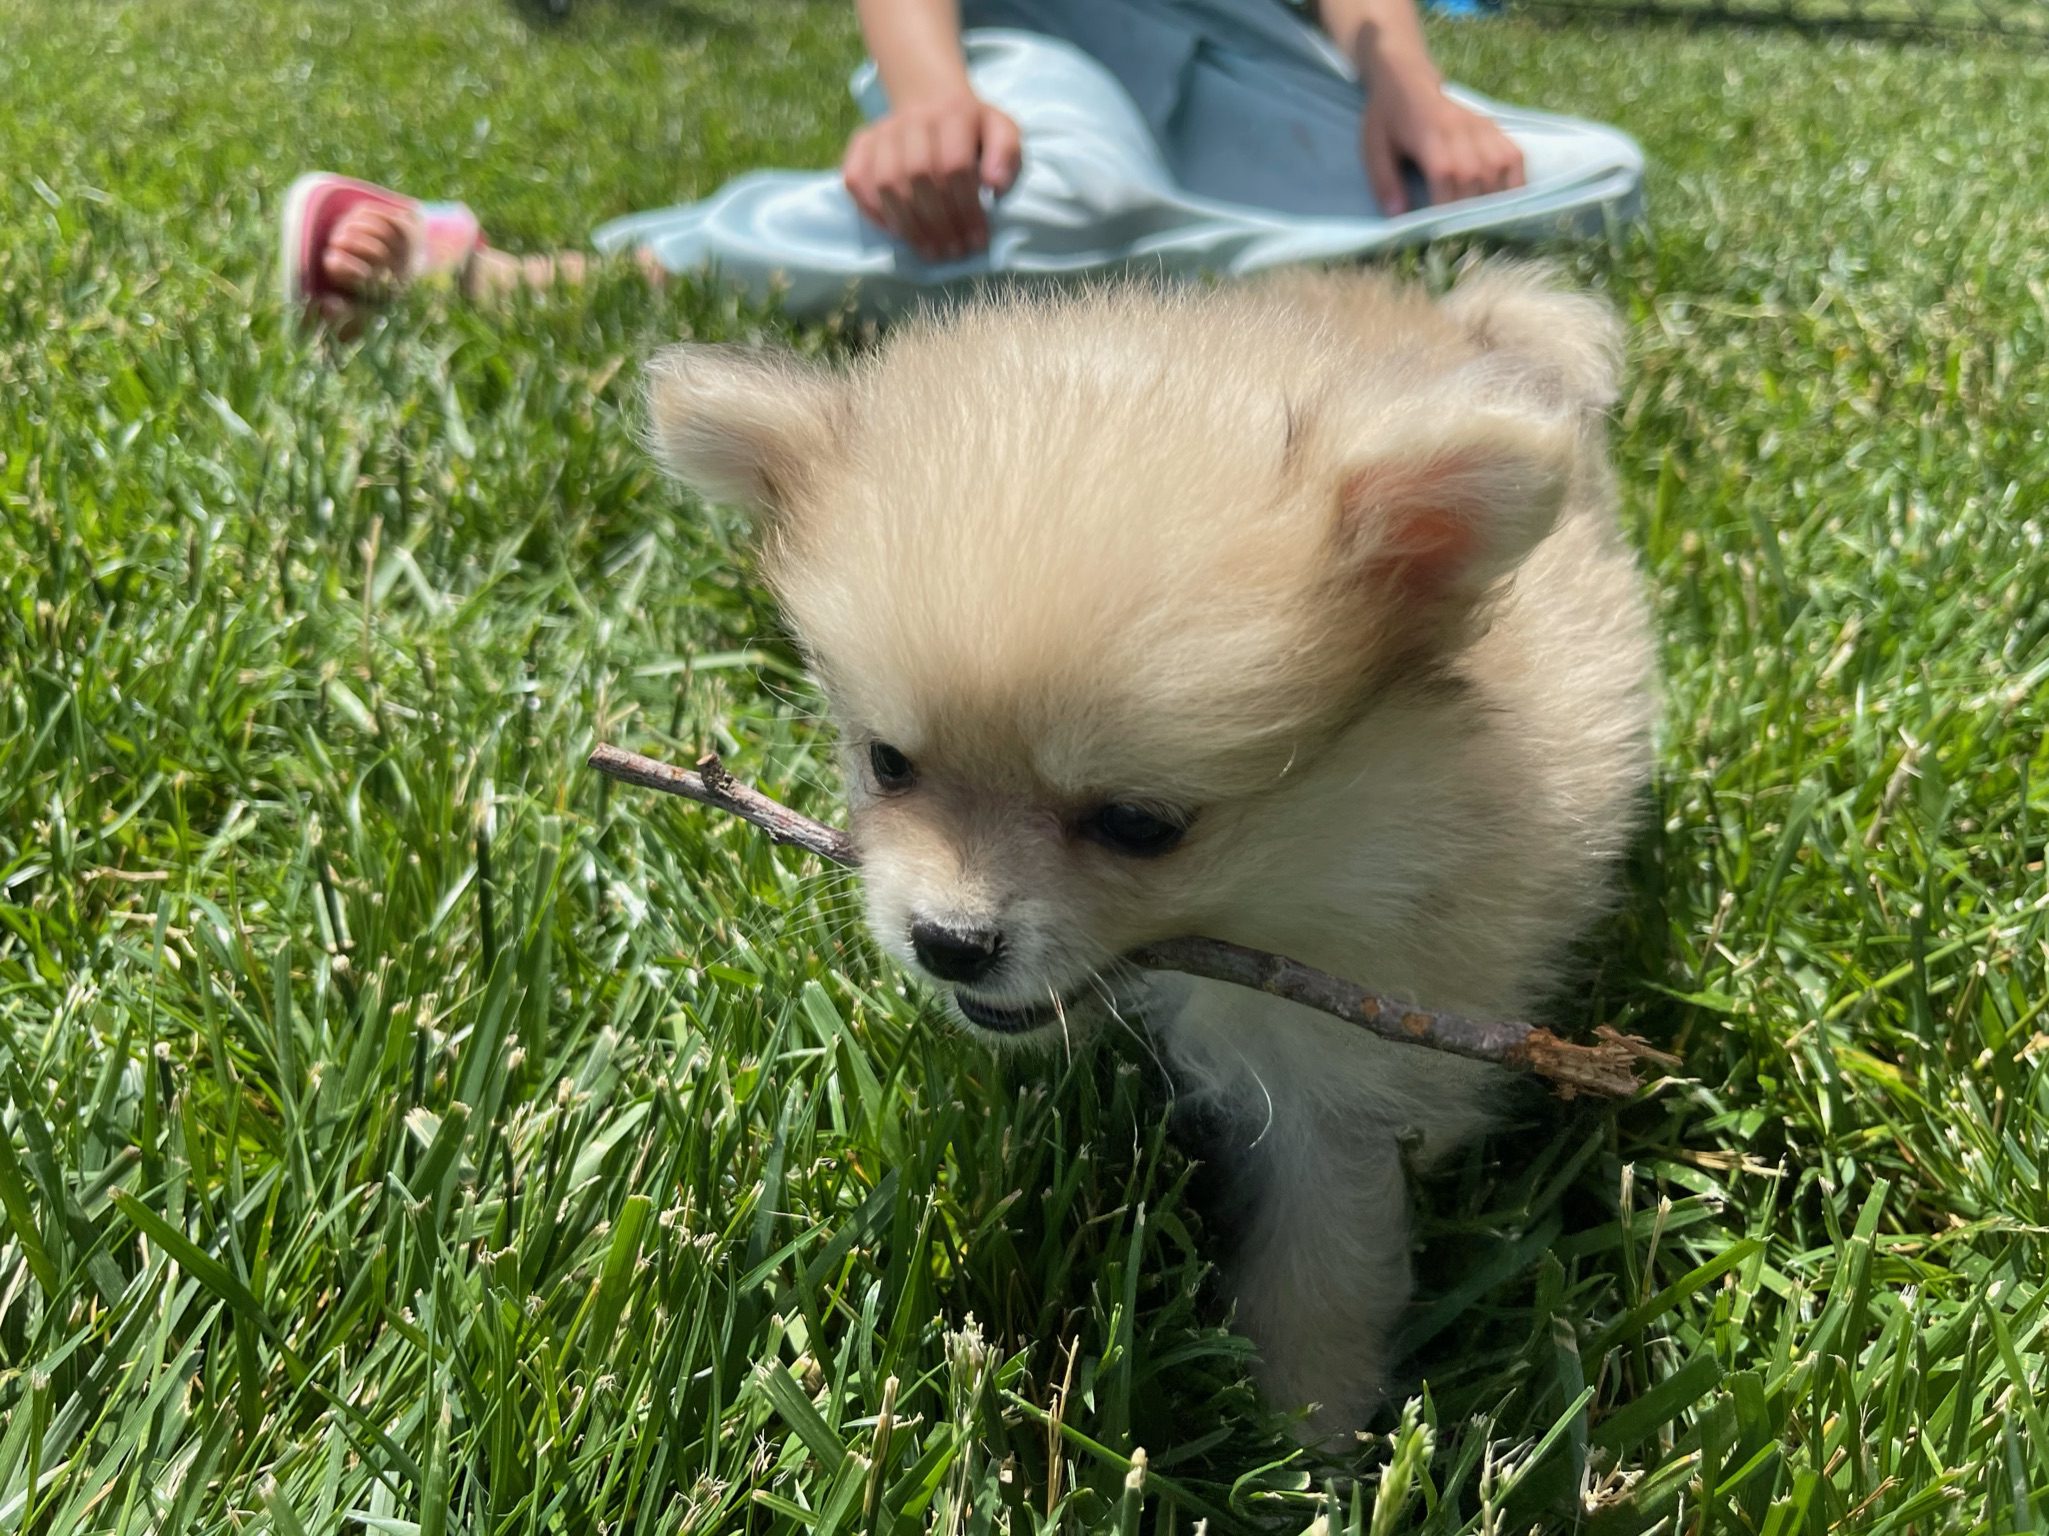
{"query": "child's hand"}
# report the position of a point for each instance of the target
(1460, 153)
(919, 172)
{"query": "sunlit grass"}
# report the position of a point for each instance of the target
(407, 1130)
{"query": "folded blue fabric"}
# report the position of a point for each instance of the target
(1168, 136)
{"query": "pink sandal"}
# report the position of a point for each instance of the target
(447, 237)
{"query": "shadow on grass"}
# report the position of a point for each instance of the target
(1509, 1233)
(677, 21)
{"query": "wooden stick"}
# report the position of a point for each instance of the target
(1608, 1068)
(712, 785)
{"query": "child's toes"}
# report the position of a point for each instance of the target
(345, 269)
(379, 259)
(377, 245)
(371, 235)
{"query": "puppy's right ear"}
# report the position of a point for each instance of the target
(1450, 498)
(743, 427)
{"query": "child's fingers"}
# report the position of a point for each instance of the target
(964, 201)
(858, 172)
(957, 184)
(1438, 185)
(962, 207)
(1511, 172)
(1454, 175)
(896, 212)
(1383, 171)
(1002, 151)
(925, 209)
(892, 187)
(932, 233)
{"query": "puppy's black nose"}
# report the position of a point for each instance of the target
(956, 954)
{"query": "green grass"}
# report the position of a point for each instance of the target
(406, 1131)
(2026, 21)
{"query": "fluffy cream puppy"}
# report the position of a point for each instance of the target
(1293, 614)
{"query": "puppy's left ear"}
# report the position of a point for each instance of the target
(1449, 500)
(740, 426)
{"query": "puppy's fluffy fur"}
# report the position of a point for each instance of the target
(1321, 570)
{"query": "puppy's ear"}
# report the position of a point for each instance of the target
(1450, 499)
(743, 427)
(1564, 344)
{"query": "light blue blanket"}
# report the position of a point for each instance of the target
(1175, 136)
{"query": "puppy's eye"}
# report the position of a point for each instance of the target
(891, 768)
(1131, 829)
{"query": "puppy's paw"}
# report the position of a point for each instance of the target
(1340, 1402)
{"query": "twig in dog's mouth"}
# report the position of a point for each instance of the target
(1607, 1068)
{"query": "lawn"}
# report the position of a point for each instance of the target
(406, 1130)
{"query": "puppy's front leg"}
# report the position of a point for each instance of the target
(1322, 1269)
(1300, 1131)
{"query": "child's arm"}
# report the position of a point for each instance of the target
(919, 171)
(1408, 117)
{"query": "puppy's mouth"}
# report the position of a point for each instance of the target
(1010, 1018)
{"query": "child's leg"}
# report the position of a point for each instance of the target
(1252, 107)
(1247, 102)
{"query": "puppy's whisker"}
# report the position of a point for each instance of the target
(1259, 1080)
(828, 881)
(1138, 1032)
(837, 923)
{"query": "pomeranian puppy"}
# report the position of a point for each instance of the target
(1293, 614)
